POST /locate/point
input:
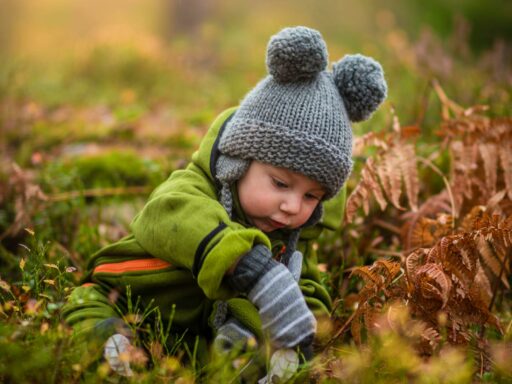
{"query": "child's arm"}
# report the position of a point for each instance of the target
(272, 288)
(184, 223)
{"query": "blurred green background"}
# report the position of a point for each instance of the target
(200, 56)
(102, 94)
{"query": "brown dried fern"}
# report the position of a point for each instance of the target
(459, 242)
(383, 175)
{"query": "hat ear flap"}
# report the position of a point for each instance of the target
(360, 81)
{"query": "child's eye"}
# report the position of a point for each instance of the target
(279, 184)
(310, 196)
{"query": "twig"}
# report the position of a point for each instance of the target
(388, 226)
(342, 329)
(498, 282)
(446, 183)
(383, 252)
(446, 101)
(99, 192)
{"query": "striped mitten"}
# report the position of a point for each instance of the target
(272, 288)
(233, 335)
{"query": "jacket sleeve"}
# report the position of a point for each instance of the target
(184, 223)
(86, 307)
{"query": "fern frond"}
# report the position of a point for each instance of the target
(430, 339)
(409, 170)
(489, 154)
(506, 165)
(360, 196)
(370, 175)
(493, 247)
(464, 162)
(458, 255)
(368, 275)
(469, 221)
(433, 283)
(480, 311)
(414, 261)
(427, 231)
(390, 176)
(482, 281)
(368, 140)
(356, 324)
(434, 206)
(370, 317)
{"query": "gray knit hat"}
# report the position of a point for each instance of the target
(298, 117)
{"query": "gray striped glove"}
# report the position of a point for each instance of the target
(272, 288)
(232, 334)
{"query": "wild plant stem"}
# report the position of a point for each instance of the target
(342, 329)
(497, 284)
(432, 166)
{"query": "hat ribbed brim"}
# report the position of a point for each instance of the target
(291, 149)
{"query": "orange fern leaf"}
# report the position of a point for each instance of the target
(492, 259)
(469, 221)
(483, 282)
(409, 169)
(360, 196)
(373, 184)
(433, 283)
(489, 154)
(506, 165)
(414, 261)
(368, 275)
(392, 269)
(391, 177)
(356, 324)
(367, 140)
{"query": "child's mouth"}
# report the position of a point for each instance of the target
(276, 224)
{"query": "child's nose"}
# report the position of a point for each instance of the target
(291, 205)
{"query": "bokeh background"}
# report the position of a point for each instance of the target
(117, 94)
(200, 56)
(109, 97)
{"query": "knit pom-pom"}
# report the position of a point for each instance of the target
(296, 54)
(361, 83)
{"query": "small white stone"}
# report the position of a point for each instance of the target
(283, 364)
(115, 346)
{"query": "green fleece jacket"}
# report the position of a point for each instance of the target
(181, 246)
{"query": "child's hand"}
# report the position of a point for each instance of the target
(295, 265)
(273, 289)
(283, 310)
(233, 335)
(116, 353)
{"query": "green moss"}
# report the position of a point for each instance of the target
(115, 169)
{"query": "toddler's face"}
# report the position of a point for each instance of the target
(274, 197)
